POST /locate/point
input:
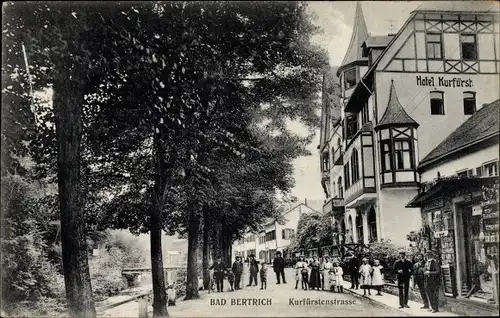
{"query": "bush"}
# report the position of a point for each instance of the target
(387, 253)
(180, 283)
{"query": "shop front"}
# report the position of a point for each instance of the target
(462, 226)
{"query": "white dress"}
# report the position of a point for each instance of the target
(326, 274)
(339, 272)
(365, 270)
(377, 278)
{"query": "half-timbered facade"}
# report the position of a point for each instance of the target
(402, 95)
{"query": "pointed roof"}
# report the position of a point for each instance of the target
(394, 113)
(359, 35)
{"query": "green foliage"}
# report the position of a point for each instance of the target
(314, 230)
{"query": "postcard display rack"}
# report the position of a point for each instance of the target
(490, 221)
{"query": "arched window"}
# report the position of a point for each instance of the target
(359, 228)
(469, 103)
(437, 103)
(372, 225)
(355, 165)
(341, 189)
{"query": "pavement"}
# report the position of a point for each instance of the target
(392, 301)
(276, 301)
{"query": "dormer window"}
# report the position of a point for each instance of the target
(350, 78)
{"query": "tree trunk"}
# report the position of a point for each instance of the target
(192, 262)
(206, 249)
(157, 271)
(68, 102)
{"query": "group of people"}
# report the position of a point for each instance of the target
(425, 272)
(316, 275)
(234, 273)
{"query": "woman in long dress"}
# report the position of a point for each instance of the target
(378, 277)
(326, 273)
(299, 266)
(314, 278)
(365, 270)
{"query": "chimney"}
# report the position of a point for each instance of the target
(305, 201)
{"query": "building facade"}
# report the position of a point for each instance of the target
(273, 236)
(402, 95)
(460, 218)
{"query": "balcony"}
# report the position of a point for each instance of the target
(334, 206)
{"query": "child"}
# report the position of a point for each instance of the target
(299, 266)
(305, 278)
(377, 277)
(331, 280)
(339, 273)
(365, 270)
(230, 279)
(263, 277)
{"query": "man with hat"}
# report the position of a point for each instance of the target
(404, 269)
(237, 271)
(432, 274)
(419, 278)
(254, 270)
(279, 267)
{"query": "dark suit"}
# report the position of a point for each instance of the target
(254, 269)
(403, 279)
(237, 270)
(432, 282)
(354, 272)
(219, 269)
(418, 274)
(279, 268)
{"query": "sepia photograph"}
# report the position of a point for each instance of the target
(250, 159)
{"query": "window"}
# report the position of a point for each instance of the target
(402, 155)
(355, 165)
(469, 46)
(365, 117)
(349, 78)
(469, 103)
(462, 173)
(341, 189)
(437, 103)
(434, 46)
(326, 161)
(347, 180)
(479, 171)
(491, 169)
(385, 147)
(352, 125)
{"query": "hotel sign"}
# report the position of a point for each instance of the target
(442, 81)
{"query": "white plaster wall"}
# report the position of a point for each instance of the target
(416, 101)
(398, 221)
(468, 161)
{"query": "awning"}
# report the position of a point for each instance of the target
(368, 198)
(450, 186)
(359, 95)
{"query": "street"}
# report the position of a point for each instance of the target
(276, 301)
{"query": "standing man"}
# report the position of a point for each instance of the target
(404, 270)
(254, 269)
(237, 270)
(219, 269)
(432, 276)
(419, 278)
(279, 267)
(354, 265)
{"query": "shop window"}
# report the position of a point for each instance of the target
(469, 103)
(402, 155)
(355, 166)
(434, 46)
(469, 46)
(347, 176)
(437, 103)
(386, 155)
(349, 78)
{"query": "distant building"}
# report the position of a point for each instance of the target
(272, 237)
(401, 96)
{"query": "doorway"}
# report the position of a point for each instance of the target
(471, 228)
